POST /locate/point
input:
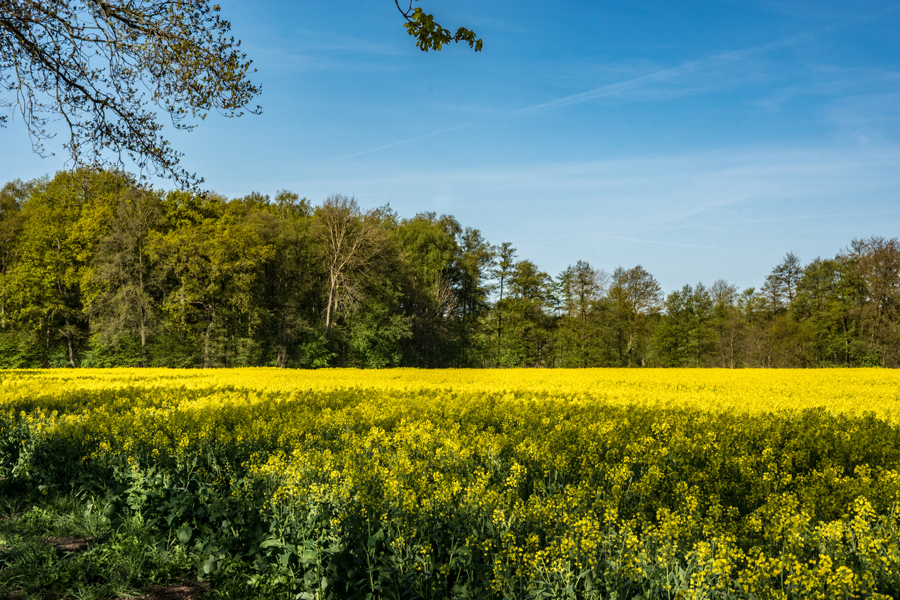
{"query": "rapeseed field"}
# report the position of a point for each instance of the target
(486, 484)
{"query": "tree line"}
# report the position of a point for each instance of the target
(97, 270)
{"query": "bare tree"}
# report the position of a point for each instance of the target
(349, 239)
(723, 293)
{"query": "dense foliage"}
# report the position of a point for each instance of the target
(98, 271)
(484, 484)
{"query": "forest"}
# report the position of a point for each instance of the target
(97, 270)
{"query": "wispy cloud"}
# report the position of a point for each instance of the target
(672, 73)
(829, 80)
(866, 109)
(660, 191)
(822, 216)
(644, 241)
(307, 51)
(628, 86)
(386, 146)
(322, 41)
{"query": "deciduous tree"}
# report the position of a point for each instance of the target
(63, 220)
(685, 334)
(12, 198)
(428, 250)
(877, 264)
(529, 322)
(121, 290)
(581, 287)
(634, 295)
(108, 68)
(213, 255)
(348, 239)
(470, 283)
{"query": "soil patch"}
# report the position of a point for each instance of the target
(186, 591)
(69, 543)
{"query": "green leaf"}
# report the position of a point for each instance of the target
(184, 533)
(209, 566)
(377, 537)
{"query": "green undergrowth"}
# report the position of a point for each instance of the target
(56, 545)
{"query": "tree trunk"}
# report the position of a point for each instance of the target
(46, 360)
(68, 334)
(143, 337)
(71, 353)
(206, 340)
(331, 291)
(731, 348)
(142, 309)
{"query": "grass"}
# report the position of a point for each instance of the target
(56, 546)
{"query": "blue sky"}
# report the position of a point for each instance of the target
(702, 140)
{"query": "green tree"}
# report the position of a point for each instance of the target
(63, 220)
(469, 280)
(12, 198)
(502, 272)
(876, 262)
(428, 249)
(634, 298)
(213, 254)
(581, 288)
(121, 296)
(781, 284)
(292, 280)
(685, 336)
(727, 324)
(379, 326)
(791, 343)
(826, 296)
(527, 342)
(756, 315)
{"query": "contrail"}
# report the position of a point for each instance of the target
(621, 87)
(615, 89)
